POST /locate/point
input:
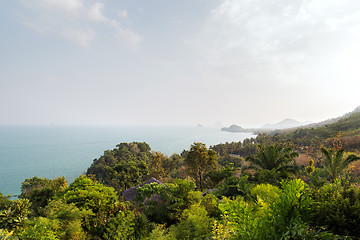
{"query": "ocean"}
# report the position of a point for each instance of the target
(55, 151)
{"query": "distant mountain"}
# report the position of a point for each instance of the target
(234, 128)
(286, 123)
(289, 124)
(333, 120)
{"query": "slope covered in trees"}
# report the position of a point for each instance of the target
(346, 130)
(124, 166)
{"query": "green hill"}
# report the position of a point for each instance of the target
(345, 129)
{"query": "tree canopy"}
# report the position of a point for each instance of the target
(200, 161)
(273, 157)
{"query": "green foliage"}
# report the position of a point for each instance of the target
(123, 167)
(200, 161)
(121, 226)
(88, 194)
(40, 191)
(128, 225)
(236, 161)
(225, 149)
(274, 157)
(235, 151)
(68, 219)
(336, 162)
(3, 201)
(6, 235)
(311, 168)
(125, 175)
(14, 215)
(142, 226)
(160, 233)
(221, 230)
(165, 203)
(215, 177)
(156, 169)
(39, 229)
(281, 215)
(99, 200)
(172, 166)
(195, 224)
(270, 176)
(290, 211)
(243, 219)
(234, 186)
(337, 208)
(211, 204)
(318, 178)
(265, 194)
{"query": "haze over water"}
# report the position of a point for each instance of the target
(68, 151)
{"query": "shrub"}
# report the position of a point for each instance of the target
(337, 208)
(195, 224)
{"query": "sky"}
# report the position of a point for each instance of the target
(167, 62)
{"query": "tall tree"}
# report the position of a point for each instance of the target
(273, 157)
(156, 169)
(40, 191)
(336, 162)
(200, 161)
(89, 195)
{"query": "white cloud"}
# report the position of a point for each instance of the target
(130, 38)
(95, 13)
(67, 5)
(33, 26)
(279, 35)
(81, 37)
(74, 20)
(126, 36)
(122, 13)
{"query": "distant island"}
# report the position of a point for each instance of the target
(267, 128)
(234, 128)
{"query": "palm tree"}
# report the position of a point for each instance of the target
(274, 157)
(336, 162)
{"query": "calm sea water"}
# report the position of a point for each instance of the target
(68, 151)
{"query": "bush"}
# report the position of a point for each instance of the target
(276, 214)
(235, 186)
(166, 203)
(337, 208)
(195, 224)
(39, 229)
(14, 215)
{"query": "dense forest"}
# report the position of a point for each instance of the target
(295, 184)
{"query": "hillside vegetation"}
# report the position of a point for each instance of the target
(345, 130)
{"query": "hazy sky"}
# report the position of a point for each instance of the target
(181, 62)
